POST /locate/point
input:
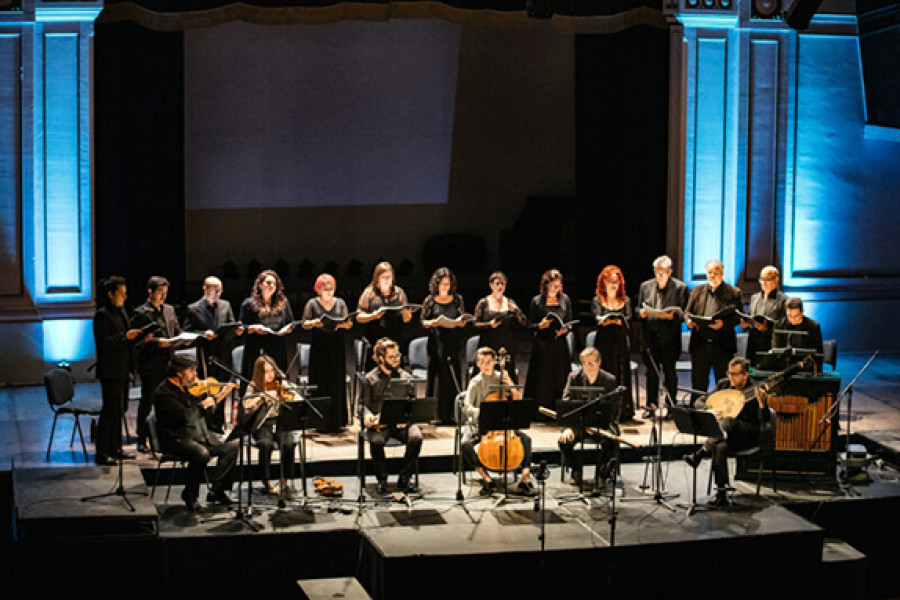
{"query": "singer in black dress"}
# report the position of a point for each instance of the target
(612, 334)
(383, 292)
(267, 306)
(327, 358)
(495, 317)
(551, 361)
(444, 343)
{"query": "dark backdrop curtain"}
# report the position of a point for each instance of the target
(621, 95)
(139, 156)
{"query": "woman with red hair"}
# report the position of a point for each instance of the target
(327, 365)
(612, 309)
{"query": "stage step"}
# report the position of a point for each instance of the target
(843, 570)
(346, 588)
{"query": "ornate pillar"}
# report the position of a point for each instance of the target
(46, 253)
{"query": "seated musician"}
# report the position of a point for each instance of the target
(591, 375)
(479, 389)
(376, 386)
(266, 393)
(181, 421)
(794, 320)
(741, 432)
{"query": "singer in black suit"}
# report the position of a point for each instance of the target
(795, 321)
(714, 345)
(768, 302)
(154, 355)
(205, 316)
(111, 338)
(590, 375)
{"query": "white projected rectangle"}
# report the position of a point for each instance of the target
(346, 114)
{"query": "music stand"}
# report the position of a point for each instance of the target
(505, 415)
(301, 415)
(585, 413)
(696, 423)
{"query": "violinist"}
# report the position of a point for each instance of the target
(479, 391)
(381, 293)
(183, 432)
(154, 355)
(376, 386)
(741, 432)
(266, 393)
(591, 375)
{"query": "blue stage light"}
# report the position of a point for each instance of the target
(68, 339)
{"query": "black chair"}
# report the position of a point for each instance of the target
(830, 351)
(162, 457)
(766, 448)
(60, 395)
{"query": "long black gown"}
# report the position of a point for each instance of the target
(327, 361)
(612, 342)
(390, 325)
(502, 336)
(551, 361)
(444, 353)
(273, 345)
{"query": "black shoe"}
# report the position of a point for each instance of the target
(190, 503)
(720, 500)
(647, 415)
(487, 488)
(693, 460)
(220, 497)
(144, 448)
(123, 455)
(605, 471)
(382, 486)
(404, 484)
(103, 461)
(525, 488)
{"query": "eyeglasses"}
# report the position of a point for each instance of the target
(589, 363)
(270, 282)
(735, 373)
(767, 279)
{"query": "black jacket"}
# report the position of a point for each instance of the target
(113, 350)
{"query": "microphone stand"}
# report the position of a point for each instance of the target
(654, 462)
(457, 458)
(360, 437)
(242, 515)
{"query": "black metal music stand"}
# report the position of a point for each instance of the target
(696, 423)
(584, 413)
(300, 415)
(505, 415)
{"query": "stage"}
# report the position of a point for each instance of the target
(811, 537)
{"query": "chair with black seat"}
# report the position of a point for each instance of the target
(61, 397)
(163, 457)
(418, 357)
(830, 352)
(765, 450)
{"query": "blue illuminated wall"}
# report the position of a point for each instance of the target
(46, 252)
(772, 162)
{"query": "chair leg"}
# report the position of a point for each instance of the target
(709, 481)
(72, 439)
(156, 479)
(80, 436)
(52, 431)
(759, 473)
(171, 479)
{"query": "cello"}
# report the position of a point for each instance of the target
(501, 451)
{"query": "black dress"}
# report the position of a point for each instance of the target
(612, 342)
(444, 352)
(390, 325)
(551, 361)
(327, 361)
(502, 336)
(273, 345)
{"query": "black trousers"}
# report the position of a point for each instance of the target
(114, 393)
(411, 436)
(573, 460)
(265, 440)
(198, 454)
(739, 435)
(664, 359)
(152, 374)
(703, 358)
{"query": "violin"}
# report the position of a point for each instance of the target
(210, 387)
(326, 486)
(501, 450)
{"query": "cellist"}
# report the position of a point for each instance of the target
(479, 389)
